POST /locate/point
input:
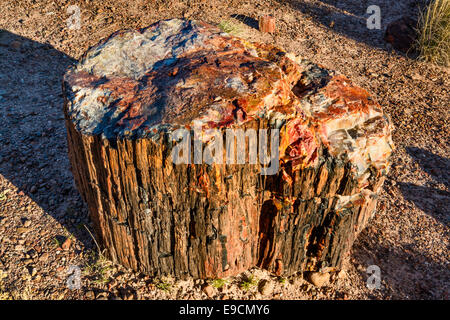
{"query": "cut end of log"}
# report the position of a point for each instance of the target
(129, 94)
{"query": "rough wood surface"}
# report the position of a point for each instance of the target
(132, 90)
(267, 24)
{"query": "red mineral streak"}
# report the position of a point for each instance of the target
(301, 145)
(347, 98)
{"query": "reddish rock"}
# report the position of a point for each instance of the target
(16, 44)
(208, 290)
(402, 34)
(66, 244)
(128, 95)
(267, 24)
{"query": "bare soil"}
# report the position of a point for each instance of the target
(42, 217)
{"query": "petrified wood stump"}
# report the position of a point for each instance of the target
(133, 90)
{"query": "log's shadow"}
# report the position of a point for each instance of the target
(436, 166)
(433, 201)
(33, 145)
(251, 22)
(349, 17)
(405, 273)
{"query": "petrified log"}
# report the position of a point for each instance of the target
(267, 24)
(132, 92)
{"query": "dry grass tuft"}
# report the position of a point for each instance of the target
(434, 33)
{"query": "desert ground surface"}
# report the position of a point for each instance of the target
(44, 223)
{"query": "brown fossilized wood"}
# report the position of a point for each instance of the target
(130, 92)
(267, 24)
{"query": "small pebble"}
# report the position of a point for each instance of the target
(265, 287)
(208, 290)
(319, 279)
(90, 295)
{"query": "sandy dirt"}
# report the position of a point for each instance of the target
(42, 217)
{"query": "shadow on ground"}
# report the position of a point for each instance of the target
(436, 166)
(33, 149)
(251, 22)
(349, 17)
(433, 201)
(405, 273)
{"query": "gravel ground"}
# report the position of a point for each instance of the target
(44, 224)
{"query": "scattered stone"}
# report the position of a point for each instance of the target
(265, 287)
(417, 77)
(198, 282)
(66, 244)
(208, 290)
(90, 295)
(401, 34)
(32, 253)
(15, 44)
(128, 296)
(341, 274)
(21, 230)
(102, 296)
(318, 279)
(360, 268)
(44, 257)
(32, 271)
(3, 275)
